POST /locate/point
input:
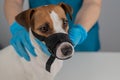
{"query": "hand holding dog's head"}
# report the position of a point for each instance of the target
(49, 22)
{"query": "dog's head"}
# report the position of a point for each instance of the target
(50, 25)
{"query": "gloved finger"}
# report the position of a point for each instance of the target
(16, 49)
(15, 27)
(23, 51)
(74, 36)
(43, 47)
(29, 46)
(41, 44)
(77, 34)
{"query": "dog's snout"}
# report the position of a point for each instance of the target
(66, 50)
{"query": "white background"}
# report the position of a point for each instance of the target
(92, 66)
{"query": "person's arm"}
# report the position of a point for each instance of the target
(12, 8)
(86, 17)
(89, 13)
(20, 39)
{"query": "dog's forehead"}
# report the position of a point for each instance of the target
(52, 15)
(42, 13)
(49, 8)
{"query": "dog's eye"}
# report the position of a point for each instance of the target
(44, 28)
(65, 23)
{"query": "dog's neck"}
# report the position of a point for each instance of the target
(37, 66)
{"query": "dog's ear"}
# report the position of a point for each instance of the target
(25, 18)
(68, 9)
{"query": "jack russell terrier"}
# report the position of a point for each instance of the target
(49, 25)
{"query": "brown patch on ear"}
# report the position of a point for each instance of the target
(25, 18)
(68, 9)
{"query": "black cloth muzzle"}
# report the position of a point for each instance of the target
(52, 42)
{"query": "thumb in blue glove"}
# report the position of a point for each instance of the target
(20, 41)
(77, 34)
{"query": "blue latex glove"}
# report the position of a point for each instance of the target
(43, 47)
(77, 34)
(20, 40)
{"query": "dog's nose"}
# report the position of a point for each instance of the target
(66, 50)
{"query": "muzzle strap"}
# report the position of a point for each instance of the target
(51, 58)
(52, 42)
(49, 63)
(42, 38)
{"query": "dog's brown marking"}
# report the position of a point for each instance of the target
(39, 18)
(68, 9)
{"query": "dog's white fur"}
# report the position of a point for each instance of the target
(12, 67)
(57, 22)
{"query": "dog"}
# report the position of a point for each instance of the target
(48, 22)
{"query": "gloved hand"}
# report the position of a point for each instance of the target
(77, 34)
(20, 41)
(43, 47)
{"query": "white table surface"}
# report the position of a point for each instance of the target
(91, 66)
